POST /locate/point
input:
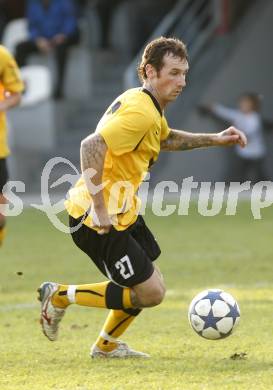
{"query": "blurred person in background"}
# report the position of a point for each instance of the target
(52, 27)
(11, 87)
(140, 18)
(10, 10)
(105, 9)
(144, 17)
(251, 159)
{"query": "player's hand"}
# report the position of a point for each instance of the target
(101, 219)
(58, 39)
(231, 136)
(43, 45)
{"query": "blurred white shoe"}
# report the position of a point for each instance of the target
(50, 315)
(122, 351)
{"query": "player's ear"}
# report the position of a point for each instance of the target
(150, 71)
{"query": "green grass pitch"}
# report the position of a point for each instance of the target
(233, 253)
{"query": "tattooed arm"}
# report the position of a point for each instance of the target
(93, 151)
(182, 140)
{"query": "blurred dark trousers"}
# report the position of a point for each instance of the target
(26, 48)
(251, 169)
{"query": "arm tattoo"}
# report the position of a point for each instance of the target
(93, 150)
(182, 140)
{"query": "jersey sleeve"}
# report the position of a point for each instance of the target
(124, 131)
(165, 130)
(10, 76)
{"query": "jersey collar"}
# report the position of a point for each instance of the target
(153, 99)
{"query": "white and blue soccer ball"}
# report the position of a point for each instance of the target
(214, 314)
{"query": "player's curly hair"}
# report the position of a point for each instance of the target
(155, 51)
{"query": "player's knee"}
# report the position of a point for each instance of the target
(153, 297)
(157, 296)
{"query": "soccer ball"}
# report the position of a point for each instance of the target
(214, 314)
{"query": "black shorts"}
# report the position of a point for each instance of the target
(3, 173)
(125, 257)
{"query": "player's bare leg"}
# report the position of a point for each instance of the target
(149, 293)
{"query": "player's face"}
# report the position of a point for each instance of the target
(171, 79)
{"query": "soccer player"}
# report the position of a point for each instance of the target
(105, 223)
(11, 87)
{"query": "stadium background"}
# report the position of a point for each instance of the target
(228, 49)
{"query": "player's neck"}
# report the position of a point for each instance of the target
(155, 94)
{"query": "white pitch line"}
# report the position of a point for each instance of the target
(18, 306)
(171, 293)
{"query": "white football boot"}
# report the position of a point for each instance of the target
(50, 315)
(122, 351)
